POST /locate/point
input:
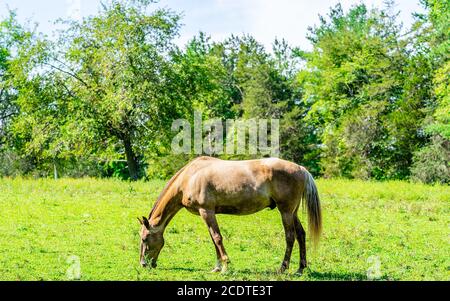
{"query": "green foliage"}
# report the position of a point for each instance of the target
(110, 88)
(204, 78)
(164, 167)
(431, 163)
(440, 124)
(12, 165)
(354, 85)
(399, 223)
(12, 36)
(367, 102)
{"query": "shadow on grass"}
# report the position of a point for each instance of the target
(275, 275)
(344, 276)
(336, 276)
(307, 275)
(180, 269)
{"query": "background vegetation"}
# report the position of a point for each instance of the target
(369, 101)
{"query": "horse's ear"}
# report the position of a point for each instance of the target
(145, 222)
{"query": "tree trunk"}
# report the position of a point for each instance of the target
(55, 171)
(131, 159)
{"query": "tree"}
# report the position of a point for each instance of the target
(354, 81)
(205, 78)
(432, 38)
(13, 38)
(12, 35)
(111, 91)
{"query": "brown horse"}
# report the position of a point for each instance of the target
(209, 186)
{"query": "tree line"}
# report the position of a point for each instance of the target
(369, 101)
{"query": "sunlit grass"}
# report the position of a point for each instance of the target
(394, 230)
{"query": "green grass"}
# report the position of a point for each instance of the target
(402, 227)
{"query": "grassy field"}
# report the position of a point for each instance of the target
(387, 231)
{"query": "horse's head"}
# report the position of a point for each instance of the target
(152, 242)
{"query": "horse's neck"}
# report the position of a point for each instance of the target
(166, 208)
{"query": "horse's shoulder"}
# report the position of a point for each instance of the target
(195, 172)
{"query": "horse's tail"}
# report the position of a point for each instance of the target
(311, 201)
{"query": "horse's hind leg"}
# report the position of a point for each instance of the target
(218, 266)
(209, 217)
(301, 237)
(289, 230)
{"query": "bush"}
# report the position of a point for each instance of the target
(164, 167)
(431, 163)
(12, 165)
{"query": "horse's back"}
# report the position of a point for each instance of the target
(239, 187)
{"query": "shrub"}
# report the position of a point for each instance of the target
(431, 163)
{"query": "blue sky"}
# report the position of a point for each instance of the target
(264, 19)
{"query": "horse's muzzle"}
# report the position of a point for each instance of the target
(152, 263)
(143, 263)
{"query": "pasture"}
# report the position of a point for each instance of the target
(378, 230)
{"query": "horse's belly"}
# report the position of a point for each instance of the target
(233, 210)
(242, 206)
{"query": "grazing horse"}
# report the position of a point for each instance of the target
(208, 186)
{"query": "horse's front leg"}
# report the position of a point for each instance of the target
(209, 217)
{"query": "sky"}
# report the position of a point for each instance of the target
(264, 19)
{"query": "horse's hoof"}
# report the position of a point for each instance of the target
(216, 270)
(282, 269)
(224, 270)
(299, 272)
